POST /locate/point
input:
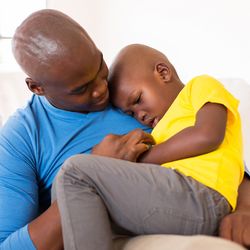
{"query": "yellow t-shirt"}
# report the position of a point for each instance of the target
(223, 168)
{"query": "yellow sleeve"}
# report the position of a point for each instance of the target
(207, 89)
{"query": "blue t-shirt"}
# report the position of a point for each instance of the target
(34, 143)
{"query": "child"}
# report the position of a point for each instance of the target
(196, 126)
(198, 141)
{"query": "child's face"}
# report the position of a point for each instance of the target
(146, 100)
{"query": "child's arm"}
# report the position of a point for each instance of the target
(205, 136)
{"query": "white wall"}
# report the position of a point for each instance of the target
(198, 36)
(13, 93)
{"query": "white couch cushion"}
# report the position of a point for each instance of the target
(241, 90)
(176, 242)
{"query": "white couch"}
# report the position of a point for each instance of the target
(175, 242)
(13, 93)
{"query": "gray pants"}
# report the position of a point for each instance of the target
(94, 193)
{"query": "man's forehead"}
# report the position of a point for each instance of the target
(90, 78)
(97, 68)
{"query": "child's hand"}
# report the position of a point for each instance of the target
(126, 147)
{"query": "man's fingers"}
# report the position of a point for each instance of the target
(138, 136)
(236, 227)
(225, 229)
(237, 231)
(245, 237)
(136, 151)
(149, 139)
(141, 148)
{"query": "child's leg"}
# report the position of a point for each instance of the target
(141, 198)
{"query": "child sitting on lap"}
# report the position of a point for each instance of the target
(196, 127)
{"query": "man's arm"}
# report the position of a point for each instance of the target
(19, 197)
(45, 231)
(205, 136)
(236, 226)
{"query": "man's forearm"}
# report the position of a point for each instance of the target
(45, 231)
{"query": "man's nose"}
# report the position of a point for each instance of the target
(100, 88)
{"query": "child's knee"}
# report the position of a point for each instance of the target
(75, 168)
(79, 160)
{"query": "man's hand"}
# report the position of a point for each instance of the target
(126, 147)
(236, 227)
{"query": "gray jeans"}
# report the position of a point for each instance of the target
(95, 193)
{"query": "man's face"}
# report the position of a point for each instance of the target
(80, 91)
(146, 100)
(62, 62)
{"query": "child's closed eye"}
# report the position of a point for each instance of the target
(137, 99)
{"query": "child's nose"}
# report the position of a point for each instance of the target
(141, 115)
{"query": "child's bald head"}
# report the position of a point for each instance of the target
(143, 83)
(138, 61)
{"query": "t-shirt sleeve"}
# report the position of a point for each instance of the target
(207, 89)
(18, 187)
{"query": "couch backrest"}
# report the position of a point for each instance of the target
(241, 90)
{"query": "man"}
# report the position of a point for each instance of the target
(67, 74)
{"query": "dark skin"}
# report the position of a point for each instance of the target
(73, 81)
(236, 226)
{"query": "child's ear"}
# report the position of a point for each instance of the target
(34, 86)
(164, 71)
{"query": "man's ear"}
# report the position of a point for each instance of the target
(164, 71)
(34, 86)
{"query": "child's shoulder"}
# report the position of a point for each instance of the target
(204, 79)
(204, 82)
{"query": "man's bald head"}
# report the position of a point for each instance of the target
(49, 42)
